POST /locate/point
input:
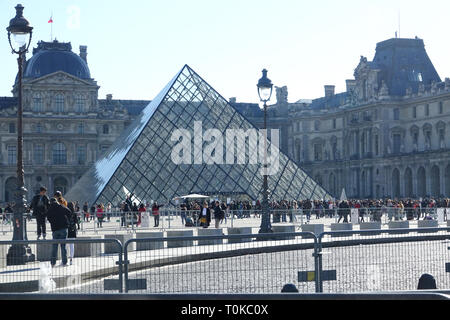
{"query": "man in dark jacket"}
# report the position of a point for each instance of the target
(40, 205)
(344, 208)
(58, 215)
(218, 214)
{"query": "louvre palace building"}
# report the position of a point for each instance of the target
(388, 135)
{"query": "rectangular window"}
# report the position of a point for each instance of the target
(414, 112)
(377, 145)
(397, 143)
(397, 114)
(12, 155)
(334, 123)
(12, 128)
(38, 155)
(441, 107)
(38, 105)
(79, 104)
(59, 103)
(318, 152)
(81, 154)
(427, 110)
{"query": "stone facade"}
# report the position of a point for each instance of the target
(388, 135)
(66, 126)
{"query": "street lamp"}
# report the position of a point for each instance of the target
(21, 32)
(265, 88)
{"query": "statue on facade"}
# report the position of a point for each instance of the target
(384, 90)
(282, 95)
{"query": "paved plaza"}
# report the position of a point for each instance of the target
(218, 269)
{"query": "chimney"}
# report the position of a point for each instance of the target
(109, 97)
(329, 91)
(233, 100)
(83, 53)
(351, 85)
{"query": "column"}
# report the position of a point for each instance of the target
(428, 180)
(442, 168)
(2, 190)
(50, 186)
(414, 179)
(402, 181)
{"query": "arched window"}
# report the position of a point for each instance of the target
(38, 105)
(59, 154)
(105, 129)
(10, 189)
(59, 103)
(60, 184)
(80, 103)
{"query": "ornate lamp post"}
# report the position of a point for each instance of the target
(265, 88)
(21, 32)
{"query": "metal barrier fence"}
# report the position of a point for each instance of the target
(383, 260)
(96, 267)
(243, 263)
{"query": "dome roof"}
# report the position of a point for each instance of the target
(50, 57)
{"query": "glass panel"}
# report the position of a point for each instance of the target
(148, 169)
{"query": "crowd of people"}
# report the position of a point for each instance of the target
(285, 211)
(65, 217)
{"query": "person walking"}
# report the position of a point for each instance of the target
(141, 211)
(218, 214)
(108, 211)
(86, 212)
(92, 212)
(307, 209)
(57, 215)
(183, 211)
(78, 213)
(59, 197)
(205, 216)
(40, 205)
(100, 216)
(344, 209)
(72, 230)
(155, 213)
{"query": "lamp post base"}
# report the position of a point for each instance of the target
(19, 254)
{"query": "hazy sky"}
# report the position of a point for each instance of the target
(135, 47)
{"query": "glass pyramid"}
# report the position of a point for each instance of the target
(140, 161)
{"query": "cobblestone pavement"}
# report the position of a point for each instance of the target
(365, 268)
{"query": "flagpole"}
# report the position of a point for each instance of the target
(51, 27)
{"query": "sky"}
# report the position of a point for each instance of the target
(135, 47)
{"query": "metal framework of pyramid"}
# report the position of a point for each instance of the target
(140, 161)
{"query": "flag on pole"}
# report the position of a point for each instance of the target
(51, 20)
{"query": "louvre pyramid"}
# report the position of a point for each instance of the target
(140, 160)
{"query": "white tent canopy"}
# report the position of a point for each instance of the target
(193, 196)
